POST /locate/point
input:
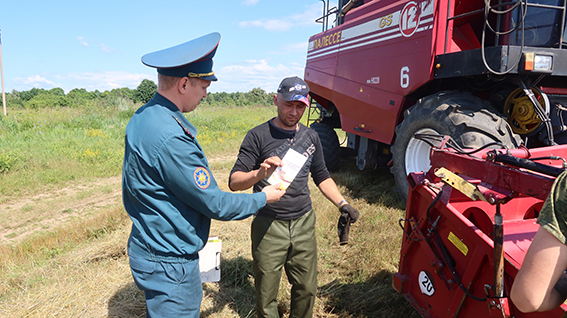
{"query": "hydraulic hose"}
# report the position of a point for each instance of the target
(496, 156)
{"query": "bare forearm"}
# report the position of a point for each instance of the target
(329, 189)
(240, 180)
(545, 261)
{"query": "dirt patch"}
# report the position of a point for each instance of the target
(22, 217)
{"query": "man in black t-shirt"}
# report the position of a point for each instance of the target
(283, 233)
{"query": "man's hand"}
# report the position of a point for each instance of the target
(268, 166)
(273, 193)
(352, 212)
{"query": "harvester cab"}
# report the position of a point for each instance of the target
(480, 71)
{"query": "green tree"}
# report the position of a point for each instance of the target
(123, 92)
(222, 98)
(81, 93)
(46, 100)
(258, 96)
(27, 95)
(57, 91)
(145, 91)
(13, 100)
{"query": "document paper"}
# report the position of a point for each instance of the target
(293, 161)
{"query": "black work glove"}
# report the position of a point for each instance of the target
(352, 212)
(343, 228)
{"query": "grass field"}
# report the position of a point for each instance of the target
(63, 229)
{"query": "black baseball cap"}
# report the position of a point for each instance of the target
(294, 89)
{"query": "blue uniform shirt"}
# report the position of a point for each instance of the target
(168, 189)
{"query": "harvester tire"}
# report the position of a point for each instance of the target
(330, 143)
(469, 120)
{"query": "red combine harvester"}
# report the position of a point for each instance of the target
(480, 71)
(418, 83)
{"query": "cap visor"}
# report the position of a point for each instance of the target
(212, 78)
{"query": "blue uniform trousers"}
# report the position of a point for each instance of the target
(171, 289)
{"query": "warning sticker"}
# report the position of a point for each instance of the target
(458, 243)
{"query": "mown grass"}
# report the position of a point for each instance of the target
(80, 269)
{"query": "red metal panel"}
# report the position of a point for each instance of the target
(388, 48)
(319, 82)
(363, 114)
(518, 236)
(384, 49)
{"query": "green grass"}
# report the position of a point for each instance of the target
(45, 148)
(221, 129)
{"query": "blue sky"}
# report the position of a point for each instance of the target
(97, 45)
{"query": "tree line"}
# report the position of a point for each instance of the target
(41, 98)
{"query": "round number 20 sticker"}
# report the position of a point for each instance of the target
(409, 19)
(426, 284)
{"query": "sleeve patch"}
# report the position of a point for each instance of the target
(202, 177)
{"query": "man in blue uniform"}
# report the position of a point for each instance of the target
(283, 233)
(168, 189)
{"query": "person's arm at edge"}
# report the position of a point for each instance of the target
(545, 261)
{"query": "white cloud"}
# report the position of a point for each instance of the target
(35, 81)
(270, 25)
(308, 17)
(298, 47)
(252, 74)
(107, 80)
(82, 41)
(290, 48)
(90, 81)
(103, 47)
(249, 2)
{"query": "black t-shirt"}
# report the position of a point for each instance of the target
(267, 140)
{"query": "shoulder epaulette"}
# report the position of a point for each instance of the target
(187, 132)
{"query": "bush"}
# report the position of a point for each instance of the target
(47, 100)
(7, 161)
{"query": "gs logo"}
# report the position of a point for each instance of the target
(385, 21)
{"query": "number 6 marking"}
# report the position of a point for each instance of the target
(404, 77)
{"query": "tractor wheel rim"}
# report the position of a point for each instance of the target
(417, 152)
